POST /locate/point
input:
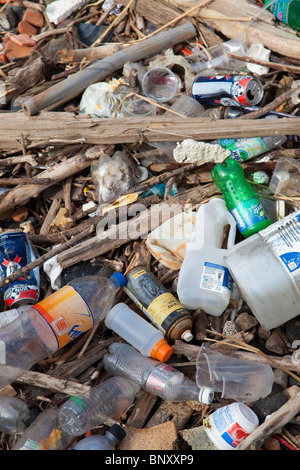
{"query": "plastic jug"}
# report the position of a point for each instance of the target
(266, 269)
(204, 280)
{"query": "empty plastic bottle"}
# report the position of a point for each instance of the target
(241, 200)
(44, 433)
(107, 400)
(247, 148)
(14, 414)
(10, 315)
(204, 280)
(55, 321)
(155, 377)
(109, 441)
(287, 11)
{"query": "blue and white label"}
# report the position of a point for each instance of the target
(283, 238)
(216, 278)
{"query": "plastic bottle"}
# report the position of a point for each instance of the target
(14, 413)
(160, 306)
(138, 332)
(107, 400)
(204, 280)
(248, 148)
(287, 11)
(44, 433)
(155, 377)
(10, 315)
(109, 441)
(266, 268)
(240, 198)
(55, 321)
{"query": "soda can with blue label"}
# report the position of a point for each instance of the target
(16, 252)
(229, 90)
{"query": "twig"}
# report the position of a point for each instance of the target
(265, 63)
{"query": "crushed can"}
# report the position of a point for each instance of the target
(16, 252)
(229, 90)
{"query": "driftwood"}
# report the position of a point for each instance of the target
(67, 128)
(21, 194)
(88, 54)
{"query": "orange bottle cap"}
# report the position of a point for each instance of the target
(162, 351)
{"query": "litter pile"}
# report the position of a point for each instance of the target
(149, 225)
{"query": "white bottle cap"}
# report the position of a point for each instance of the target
(187, 335)
(206, 395)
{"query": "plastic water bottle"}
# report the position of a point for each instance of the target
(204, 280)
(160, 306)
(153, 376)
(8, 316)
(266, 268)
(55, 321)
(109, 441)
(247, 148)
(44, 433)
(14, 413)
(138, 332)
(241, 200)
(107, 400)
(287, 11)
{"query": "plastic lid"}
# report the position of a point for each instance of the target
(117, 431)
(206, 395)
(187, 335)
(119, 278)
(162, 351)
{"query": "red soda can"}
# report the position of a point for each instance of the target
(229, 90)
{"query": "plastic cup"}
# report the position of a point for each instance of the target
(228, 426)
(160, 84)
(137, 107)
(187, 106)
(244, 381)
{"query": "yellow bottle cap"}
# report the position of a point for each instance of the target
(162, 351)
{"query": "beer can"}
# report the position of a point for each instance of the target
(16, 252)
(229, 90)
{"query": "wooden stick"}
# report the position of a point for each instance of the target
(265, 63)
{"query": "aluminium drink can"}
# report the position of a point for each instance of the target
(229, 90)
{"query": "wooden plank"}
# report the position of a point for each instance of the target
(64, 128)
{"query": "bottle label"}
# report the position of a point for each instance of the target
(31, 445)
(163, 306)
(248, 213)
(279, 8)
(66, 313)
(159, 377)
(216, 278)
(244, 149)
(284, 240)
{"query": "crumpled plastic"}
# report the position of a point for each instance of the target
(102, 99)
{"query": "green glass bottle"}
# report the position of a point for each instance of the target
(287, 11)
(240, 198)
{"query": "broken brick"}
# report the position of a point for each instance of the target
(15, 51)
(34, 17)
(26, 28)
(23, 40)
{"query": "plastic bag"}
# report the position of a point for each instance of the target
(102, 99)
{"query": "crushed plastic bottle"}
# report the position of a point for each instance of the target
(82, 413)
(204, 280)
(109, 441)
(14, 414)
(247, 148)
(155, 377)
(55, 321)
(44, 433)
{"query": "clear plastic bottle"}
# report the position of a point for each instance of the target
(107, 400)
(44, 433)
(247, 148)
(155, 377)
(109, 441)
(138, 332)
(14, 413)
(204, 280)
(55, 321)
(8, 316)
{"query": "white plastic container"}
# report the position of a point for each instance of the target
(204, 280)
(228, 426)
(138, 332)
(266, 269)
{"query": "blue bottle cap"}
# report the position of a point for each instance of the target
(119, 278)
